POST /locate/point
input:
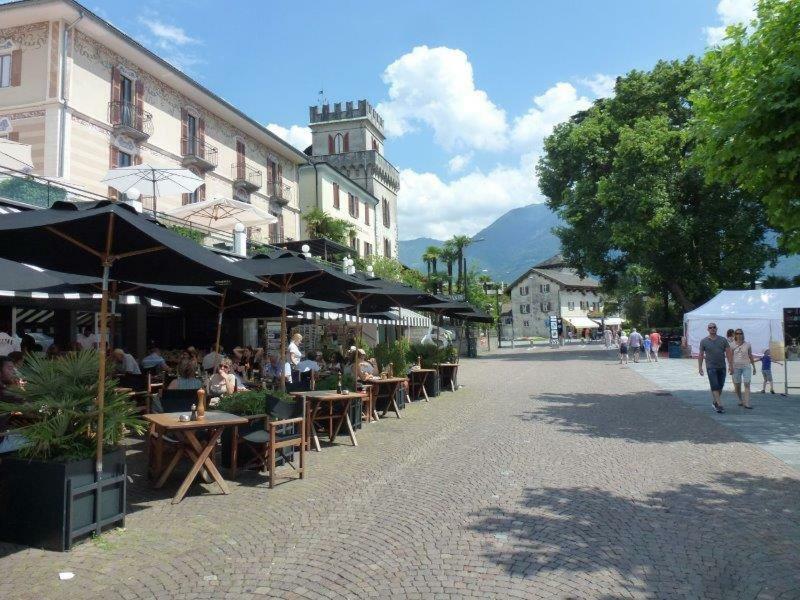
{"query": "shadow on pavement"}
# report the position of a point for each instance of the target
(738, 536)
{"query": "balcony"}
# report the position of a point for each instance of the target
(279, 192)
(245, 177)
(127, 120)
(198, 154)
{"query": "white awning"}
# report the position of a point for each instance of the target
(223, 213)
(609, 321)
(581, 322)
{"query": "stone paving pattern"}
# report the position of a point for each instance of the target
(551, 474)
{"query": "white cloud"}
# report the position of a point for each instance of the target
(731, 12)
(298, 136)
(601, 85)
(459, 162)
(171, 41)
(431, 207)
(554, 106)
(165, 34)
(436, 87)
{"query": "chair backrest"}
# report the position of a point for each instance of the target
(178, 400)
(280, 409)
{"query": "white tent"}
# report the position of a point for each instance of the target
(759, 313)
(582, 322)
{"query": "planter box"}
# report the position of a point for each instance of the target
(400, 398)
(432, 385)
(51, 504)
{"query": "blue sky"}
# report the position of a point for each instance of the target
(468, 90)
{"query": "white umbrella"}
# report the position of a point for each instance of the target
(161, 181)
(16, 156)
(223, 213)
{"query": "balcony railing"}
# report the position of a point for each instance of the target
(245, 176)
(128, 119)
(279, 191)
(197, 152)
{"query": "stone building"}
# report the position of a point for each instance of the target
(550, 288)
(350, 139)
(86, 97)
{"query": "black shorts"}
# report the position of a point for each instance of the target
(716, 378)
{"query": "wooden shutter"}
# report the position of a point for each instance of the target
(138, 103)
(346, 146)
(116, 94)
(14, 136)
(366, 213)
(201, 193)
(185, 132)
(16, 68)
(113, 162)
(201, 137)
(335, 195)
(357, 204)
(185, 199)
(330, 144)
(137, 159)
(279, 174)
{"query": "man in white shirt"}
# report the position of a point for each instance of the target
(635, 342)
(154, 361)
(308, 364)
(8, 344)
(125, 362)
(212, 360)
(87, 340)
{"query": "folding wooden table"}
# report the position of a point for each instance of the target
(316, 399)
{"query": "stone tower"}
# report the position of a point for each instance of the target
(351, 139)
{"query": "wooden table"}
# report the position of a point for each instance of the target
(387, 388)
(190, 447)
(449, 372)
(416, 382)
(316, 399)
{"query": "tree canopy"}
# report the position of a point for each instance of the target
(320, 224)
(748, 113)
(637, 209)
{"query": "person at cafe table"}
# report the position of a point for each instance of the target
(223, 382)
(125, 363)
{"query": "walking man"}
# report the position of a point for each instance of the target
(715, 350)
(635, 343)
(655, 341)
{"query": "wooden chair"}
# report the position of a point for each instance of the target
(171, 401)
(286, 429)
(368, 412)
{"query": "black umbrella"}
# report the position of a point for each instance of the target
(17, 277)
(112, 239)
(450, 308)
(285, 272)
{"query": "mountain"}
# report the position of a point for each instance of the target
(523, 237)
(512, 244)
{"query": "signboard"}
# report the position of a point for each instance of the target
(554, 327)
(791, 334)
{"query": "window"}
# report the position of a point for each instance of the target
(354, 243)
(544, 287)
(571, 305)
(526, 323)
(594, 306)
(523, 290)
(338, 143)
(191, 131)
(387, 216)
(5, 70)
(524, 309)
(352, 205)
(387, 248)
(367, 249)
(126, 99)
(375, 145)
(125, 160)
(366, 213)
(336, 196)
(545, 306)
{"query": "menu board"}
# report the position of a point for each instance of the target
(791, 333)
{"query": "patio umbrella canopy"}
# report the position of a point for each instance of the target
(17, 277)
(113, 240)
(158, 181)
(223, 213)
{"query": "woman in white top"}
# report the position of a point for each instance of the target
(294, 356)
(743, 362)
(223, 382)
(623, 347)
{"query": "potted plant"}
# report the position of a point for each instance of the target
(48, 492)
(431, 356)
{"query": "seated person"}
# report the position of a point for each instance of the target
(154, 361)
(223, 382)
(53, 352)
(212, 360)
(10, 442)
(366, 369)
(307, 364)
(187, 376)
(125, 363)
(17, 358)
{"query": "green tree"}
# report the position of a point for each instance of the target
(448, 257)
(459, 243)
(748, 114)
(773, 282)
(431, 256)
(320, 224)
(392, 269)
(635, 205)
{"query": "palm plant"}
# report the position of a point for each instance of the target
(449, 256)
(460, 242)
(430, 256)
(59, 400)
(320, 224)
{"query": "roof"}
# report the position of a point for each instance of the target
(747, 304)
(82, 12)
(564, 276)
(555, 261)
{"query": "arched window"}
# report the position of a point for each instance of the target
(338, 144)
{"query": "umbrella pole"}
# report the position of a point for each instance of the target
(219, 328)
(101, 391)
(283, 343)
(153, 176)
(358, 341)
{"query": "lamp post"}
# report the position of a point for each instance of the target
(472, 351)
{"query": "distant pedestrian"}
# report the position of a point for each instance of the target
(743, 362)
(623, 347)
(766, 371)
(729, 336)
(715, 350)
(655, 342)
(607, 338)
(647, 344)
(635, 344)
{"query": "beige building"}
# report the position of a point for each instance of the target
(86, 97)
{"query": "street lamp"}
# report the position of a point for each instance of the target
(472, 351)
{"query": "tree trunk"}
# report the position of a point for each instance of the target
(458, 279)
(680, 296)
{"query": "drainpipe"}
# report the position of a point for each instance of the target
(63, 95)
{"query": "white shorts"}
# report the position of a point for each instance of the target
(742, 374)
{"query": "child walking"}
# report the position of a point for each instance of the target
(766, 371)
(647, 346)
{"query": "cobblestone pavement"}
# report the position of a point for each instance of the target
(551, 474)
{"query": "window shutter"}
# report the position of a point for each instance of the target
(201, 193)
(138, 103)
(137, 159)
(14, 136)
(185, 132)
(16, 68)
(113, 162)
(279, 174)
(366, 213)
(185, 199)
(347, 142)
(357, 204)
(336, 195)
(330, 144)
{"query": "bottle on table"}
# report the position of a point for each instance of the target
(339, 383)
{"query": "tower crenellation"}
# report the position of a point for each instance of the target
(351, 110)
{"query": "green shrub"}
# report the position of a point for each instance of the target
(398, 353)
(329, 382)
(431, 354)
(188, 232)
(249, 402)
(59, 401)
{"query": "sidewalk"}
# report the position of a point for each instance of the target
(773, 424)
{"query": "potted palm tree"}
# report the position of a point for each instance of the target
(49, 493)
